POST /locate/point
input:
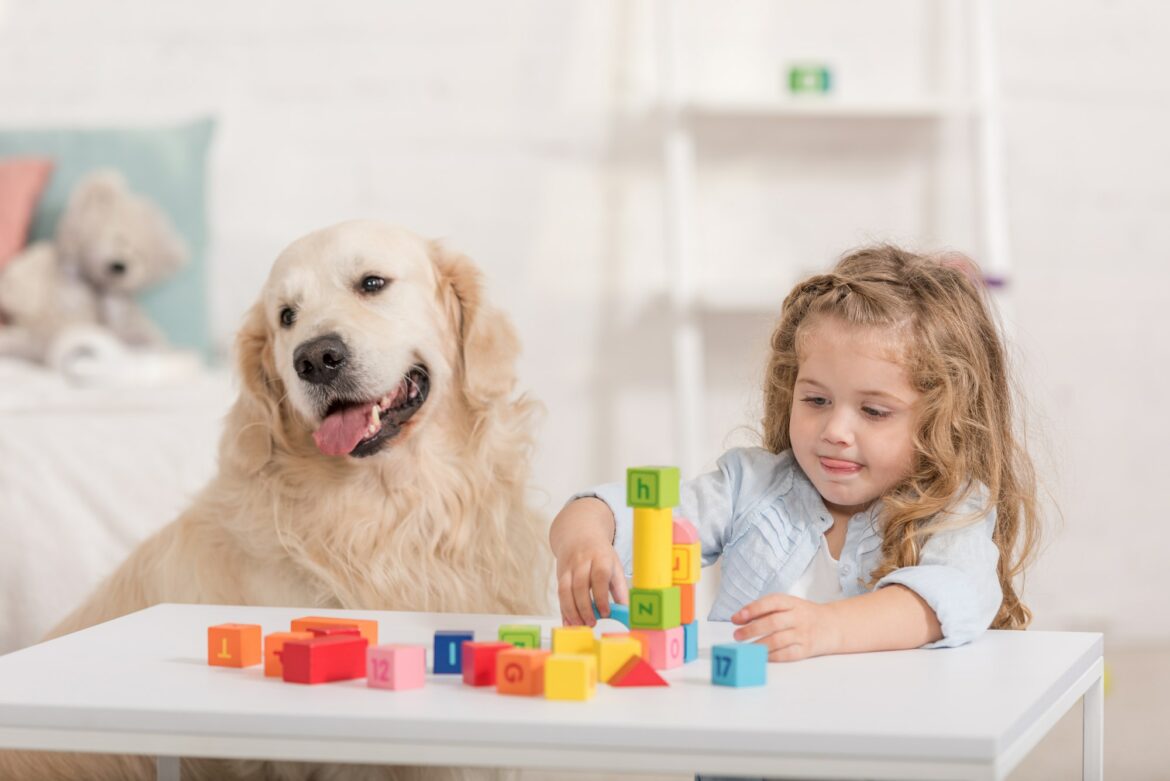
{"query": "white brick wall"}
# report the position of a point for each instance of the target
(499, 126)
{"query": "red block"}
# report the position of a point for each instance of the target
(637, 672)
(479, 661)
(324, 658)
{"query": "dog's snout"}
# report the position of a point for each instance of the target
(320, 360)
(116, 268)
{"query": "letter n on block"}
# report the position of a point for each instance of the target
(655, 608)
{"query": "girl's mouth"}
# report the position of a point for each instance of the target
(838, 467)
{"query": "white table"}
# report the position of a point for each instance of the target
(141, 684)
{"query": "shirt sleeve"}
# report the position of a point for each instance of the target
(957, 575)
(709, 501)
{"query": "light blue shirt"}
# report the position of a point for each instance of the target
(762, 515)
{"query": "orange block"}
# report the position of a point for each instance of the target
(367, 627)
(686, 603)
(521, 671)
(233, 645)
(272, 647)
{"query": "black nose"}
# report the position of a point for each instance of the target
(320, 360)
(117, 268)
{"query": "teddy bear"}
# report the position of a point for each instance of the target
(110, 243)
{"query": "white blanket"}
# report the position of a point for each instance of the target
(87, 473)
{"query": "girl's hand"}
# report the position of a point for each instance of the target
(588, 567)
(586, 575)
(789, 627)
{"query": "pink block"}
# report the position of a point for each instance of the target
(684, 531)
(396, 666)
(665, 648)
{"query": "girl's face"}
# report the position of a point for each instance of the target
(853, 414)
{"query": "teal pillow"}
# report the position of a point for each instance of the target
(167, 165)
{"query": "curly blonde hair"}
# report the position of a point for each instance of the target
(966, 426)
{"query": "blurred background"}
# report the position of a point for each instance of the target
(641, 182)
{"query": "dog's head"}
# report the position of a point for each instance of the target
(361, 334)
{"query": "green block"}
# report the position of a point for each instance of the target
(521, 635)
(655, 608)
(652, 486)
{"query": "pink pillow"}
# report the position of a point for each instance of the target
(21, 181)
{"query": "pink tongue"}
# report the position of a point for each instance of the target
(340, 432)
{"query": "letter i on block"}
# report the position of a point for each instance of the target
(448, 654)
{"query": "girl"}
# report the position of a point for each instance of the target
(891, 505)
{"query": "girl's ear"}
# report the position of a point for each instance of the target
(488, 345)
(255, 421)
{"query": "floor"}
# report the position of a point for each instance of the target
(1137, 729)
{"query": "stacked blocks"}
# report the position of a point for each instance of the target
(233, 645)
(667, 565)
(396, 666)
(448, 655)
(739, 664)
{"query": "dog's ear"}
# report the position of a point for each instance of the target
(488, 345)
(254, 423)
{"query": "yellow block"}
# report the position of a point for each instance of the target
(613, 652)
(570, 676)
(686, 562)
(572, 640)
(653, 541)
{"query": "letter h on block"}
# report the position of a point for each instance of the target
(652, 486)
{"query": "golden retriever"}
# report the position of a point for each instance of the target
(376, 458)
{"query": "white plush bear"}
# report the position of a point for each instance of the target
(110, 244)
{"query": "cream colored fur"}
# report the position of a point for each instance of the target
(437, 520)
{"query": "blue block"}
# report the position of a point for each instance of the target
(691, 646)
(448, 654)
(739, 664)
(619, 613)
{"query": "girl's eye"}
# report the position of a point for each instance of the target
(875, 413)
(287, 317)
(372, 284)
(816, 401)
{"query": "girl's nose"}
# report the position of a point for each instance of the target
(838, 430)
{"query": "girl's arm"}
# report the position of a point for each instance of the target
(889, 619)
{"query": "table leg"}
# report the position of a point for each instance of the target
(1093, 717)
(167, 768)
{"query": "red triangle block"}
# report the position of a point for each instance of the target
(637, 672)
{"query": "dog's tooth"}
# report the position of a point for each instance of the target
(374, 415)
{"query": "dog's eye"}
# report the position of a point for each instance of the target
(287, 316)
(372, 284)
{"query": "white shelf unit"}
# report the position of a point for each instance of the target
(680, 112)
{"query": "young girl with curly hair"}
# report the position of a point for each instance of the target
(892, 504)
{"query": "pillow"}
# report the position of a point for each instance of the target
(167, 165)
(21, 183)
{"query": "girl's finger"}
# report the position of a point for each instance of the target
(767, 624)
(581, 597)
(600, 584)
(762, 606)
(618, 586)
